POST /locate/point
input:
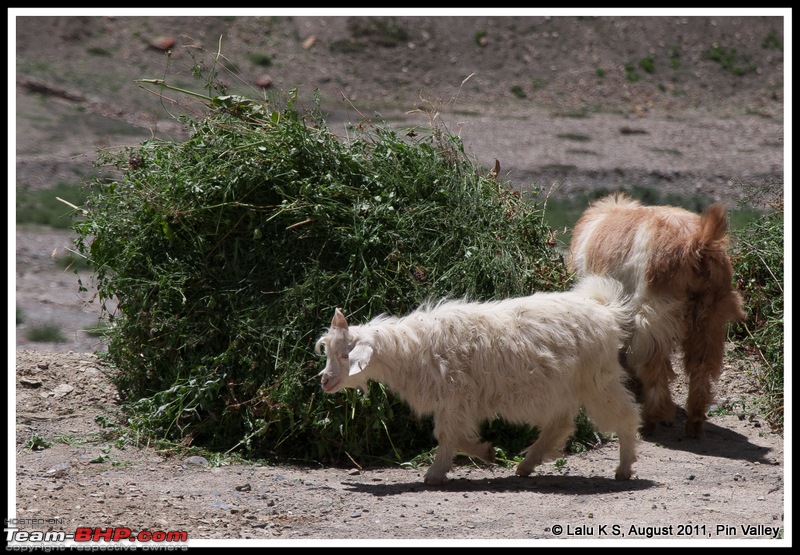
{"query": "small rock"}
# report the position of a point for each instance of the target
(245, 487)
(27, 382)
(264, 81)
(220, 504)
(309, 42)
(196, 460)
(43, 365)
(62, 390)
(163, 43)
(59, 471)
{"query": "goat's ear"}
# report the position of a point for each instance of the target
(339, 320)
(359, 358)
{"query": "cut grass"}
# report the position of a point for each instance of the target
(230, 250)
(101, 329)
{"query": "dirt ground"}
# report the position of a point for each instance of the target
(695, 130)
(730, 486)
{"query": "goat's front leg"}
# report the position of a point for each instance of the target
(443, 462)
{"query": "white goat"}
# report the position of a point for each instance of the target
(533, 360)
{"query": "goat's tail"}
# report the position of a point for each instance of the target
(713, 226)
(712, 263)
(609, 292)
(602, 289)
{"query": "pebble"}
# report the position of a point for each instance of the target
(59, 471)
(63, 389)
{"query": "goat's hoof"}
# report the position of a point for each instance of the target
(434, 480)
(648, 428)
(523, 471)
(623, 474)
(483, 451)
(696, 429)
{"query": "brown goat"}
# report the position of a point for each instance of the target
(676, 266)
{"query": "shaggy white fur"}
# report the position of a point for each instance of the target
(533, 360)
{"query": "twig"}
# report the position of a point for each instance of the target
(163, 84)
(81, 210)
(353, 461)
(298, 224)
(353, 107)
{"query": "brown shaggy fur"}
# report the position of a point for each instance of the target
(676, 266)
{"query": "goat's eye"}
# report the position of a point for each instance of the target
(344, 355)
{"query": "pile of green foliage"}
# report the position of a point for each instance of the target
(227, 254)
(758, 261)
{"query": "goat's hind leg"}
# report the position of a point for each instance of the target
(703, 354)
(655, 376)
(648, 359)
(550, 444)
(612, 409)
(700, 398)
(474, 448)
